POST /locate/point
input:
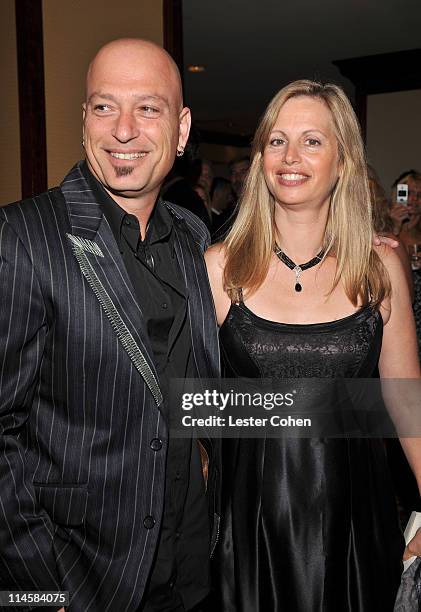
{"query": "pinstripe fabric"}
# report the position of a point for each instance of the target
(77, 473)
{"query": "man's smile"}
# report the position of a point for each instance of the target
(128, 156)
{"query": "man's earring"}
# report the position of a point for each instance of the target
(180, 151)
(83, 142)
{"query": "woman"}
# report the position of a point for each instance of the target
(404, 483)
(407, 226)
(383, 223)
(310, 524)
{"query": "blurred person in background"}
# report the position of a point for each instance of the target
(383, 222)
(203, 193)
(238, 172)
(178, 187)
(221, 194)
(406, 216)
(406, 219)
(206, 174)
(222, 199)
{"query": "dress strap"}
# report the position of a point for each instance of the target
(240, 298)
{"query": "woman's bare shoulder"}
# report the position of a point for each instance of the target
(215, 258)
(400, 296)
(388, 255)
(216, 252)
(391, 260)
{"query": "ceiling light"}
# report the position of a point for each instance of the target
(196, 68)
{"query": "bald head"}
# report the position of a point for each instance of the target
(126, 57)
(134, 120)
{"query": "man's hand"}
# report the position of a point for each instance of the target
(414, 547)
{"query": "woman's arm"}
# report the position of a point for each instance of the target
(406, 264)
(215, 259)
(399, 365)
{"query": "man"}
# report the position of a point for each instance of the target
(104, 299)
(206, 174)
(222, 197)
(238, 172)
(178, 186)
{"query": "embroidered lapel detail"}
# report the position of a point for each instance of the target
(79, 246)
(86, 245)
(90, 235)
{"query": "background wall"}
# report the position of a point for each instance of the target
(73, 32)
(10, 189)
(394, 133)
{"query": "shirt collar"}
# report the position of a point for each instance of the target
(160, 222)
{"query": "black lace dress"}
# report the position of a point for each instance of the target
(309, 525)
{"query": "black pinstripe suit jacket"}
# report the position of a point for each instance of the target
(81, 486)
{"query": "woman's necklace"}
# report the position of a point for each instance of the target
(298, 269)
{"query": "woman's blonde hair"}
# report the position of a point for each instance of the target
(348, 235)
(380, 205)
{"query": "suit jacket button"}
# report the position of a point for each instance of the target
(156, 444)
(149, 522)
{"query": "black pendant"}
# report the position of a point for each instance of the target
(298, 269)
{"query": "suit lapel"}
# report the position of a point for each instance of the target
(201, 311)
(99, 259)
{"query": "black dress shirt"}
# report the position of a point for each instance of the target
(180, 575)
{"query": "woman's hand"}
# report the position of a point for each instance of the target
(413, 548)
(399, 213)
(414, 216)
